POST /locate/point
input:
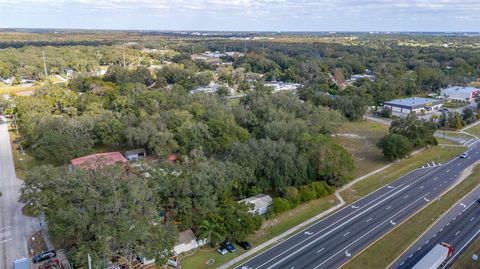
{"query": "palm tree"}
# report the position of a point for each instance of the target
(208, 230)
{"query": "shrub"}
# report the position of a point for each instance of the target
(322, 189)
(280, 205)
(292, 195)
(307, 193)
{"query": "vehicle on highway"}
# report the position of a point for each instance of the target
(44, 256)
(21, 263)
(244, 244)
(222, 250)
(51, 264)
(229, 246)
(464, 155)
(436, 257)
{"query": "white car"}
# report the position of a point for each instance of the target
(464, 155)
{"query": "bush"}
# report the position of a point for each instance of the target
(292, 195)
(307, 193)
(322, 189)
(280, 205)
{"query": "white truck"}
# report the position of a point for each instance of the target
(436, 257)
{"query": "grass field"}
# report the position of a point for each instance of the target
(475, 130)
(360, 139)
(387, 249)
(465, 260)
(436, 154)
(446, 142)
(460, 135)
(270, 229)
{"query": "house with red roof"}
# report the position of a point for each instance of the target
(94, 161)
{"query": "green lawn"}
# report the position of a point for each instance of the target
(360, 139)
(465, 260)
(386, 250)
(270, 229)
(456, 134)
(446, 142)
(475, 130)
(16, 89)
(436, 154)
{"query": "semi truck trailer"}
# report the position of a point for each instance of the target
(436, 257)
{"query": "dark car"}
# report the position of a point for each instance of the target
(244, 244)
(44, 256)
(229, 246)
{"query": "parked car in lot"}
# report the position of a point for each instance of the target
(464, 155)
(244, 244)
(222, 250)
(44, 256)
(228, 246)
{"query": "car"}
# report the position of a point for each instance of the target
(444, 110)
(51, 264)
(44, 256)
(244, 244)
(222, 250)
(464, 155)
(229, 246)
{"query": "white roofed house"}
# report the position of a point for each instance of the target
(187, 241)
(260, 203)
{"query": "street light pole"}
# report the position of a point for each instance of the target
(89, 261)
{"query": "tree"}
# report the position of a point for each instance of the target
(107, 212)
(394, 146)
(209, 231)
(468, 116)
(418, 132)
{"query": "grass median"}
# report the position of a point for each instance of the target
(387, 249)
(465, 260)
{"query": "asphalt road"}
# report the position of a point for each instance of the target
(458, 227)
(14, 227)
(334, 240)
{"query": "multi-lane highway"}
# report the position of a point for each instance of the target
(458, 227)
(334, 240)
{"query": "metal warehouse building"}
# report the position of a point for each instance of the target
(413, 104)
(458, 93)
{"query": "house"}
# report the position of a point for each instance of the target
(283, 86)
(413, 104)
(458, 93)
(94, 161)
(135, 154)
(186, 241)
(261, 203)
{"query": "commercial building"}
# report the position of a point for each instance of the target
(458, 93)
(413, 104)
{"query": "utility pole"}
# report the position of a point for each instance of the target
(245, 47)
(123, 56)
(44, 65)
(89, 261)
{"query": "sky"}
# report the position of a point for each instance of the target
(244, 15)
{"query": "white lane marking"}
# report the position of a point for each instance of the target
(390, 187)
(369, 219)
(406, 196)
(464, 206)
(457, 233)
(308, 233)
(435, 179)
(320, 250)
(434, 235)
(6, 240)
(426, 199)
(454, 218)
(472, 218)
(441, 229)
(447, 171)
(355, 207)
(348, 254)
(358, 239)
(335, 226)
(426, 242)
(461, 249)
(389, 207)
(346, 234)
(447, 224)
(421, 187)
(393, 223)
(419, 248)
(402, 263)
(458, 164)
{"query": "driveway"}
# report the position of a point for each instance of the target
(14, 227)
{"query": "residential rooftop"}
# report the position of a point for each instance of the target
(94, 161)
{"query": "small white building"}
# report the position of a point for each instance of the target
(457, 93)
(187, 241)
(283, 86)
(261, 203)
